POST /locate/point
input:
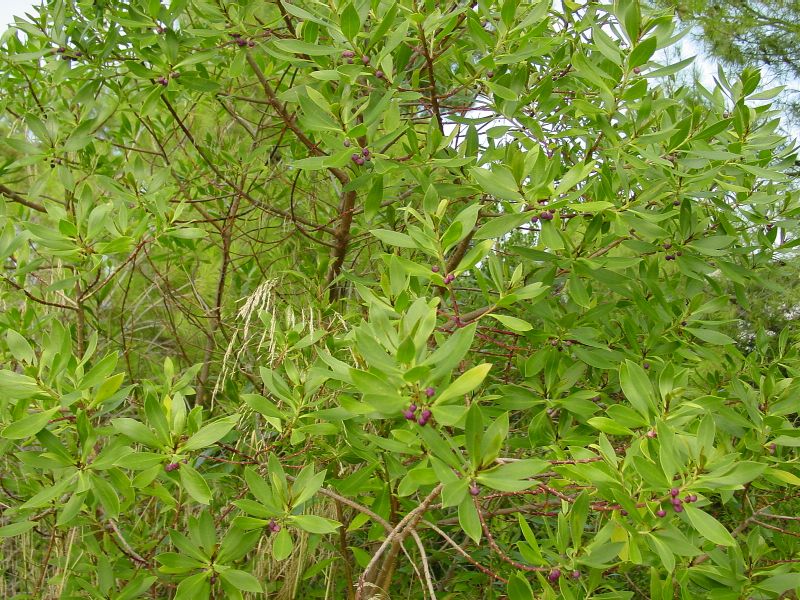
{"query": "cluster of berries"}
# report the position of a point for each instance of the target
(273, 526)
(554, 575)
(241, 42)
(424, 417)
(677, 503)
(360, 159)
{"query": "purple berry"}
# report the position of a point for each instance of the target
(661, 512)
(693, 498)
(273, 526)
(576, 574)
(652, 434)
(412, 407)
(554, 575)
(474, 489)
(241, 42)
(546, 215)
(667, 245)
(678, 507)
(422, 421)
(534, 218)
(365, 152)
(172, 467)
(676, 203)
(409, 414)
(637, 70)
(347, 143)
(490, 74)
(379, 74)
(359, 161)
(677, 501)
(674, 492)
(251, 44)
(430, 391)
(365, 59)
(669, 257)
(348, 54)
(426, 414)
(435, 268)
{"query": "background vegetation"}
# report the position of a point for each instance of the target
(377, 299)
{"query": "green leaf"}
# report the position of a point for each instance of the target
(394, 238)
(16, 386)
(15, 529)
(642, 52)
(282, 545)
(315, 524)
(465, 383)
(708, 526)
(28, 426)
(242, 580)
(670, 69)
(196, 587)
(211, 433)
(350, 21)
(637, 388)
(468, 519)
(519, 588)
(294, 46)
(513, 323)
(195, 485)
(710, 336)
(499, 182)
(19, 347)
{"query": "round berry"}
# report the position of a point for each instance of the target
(426, 414)
(430, 391)
(172, 467)
(365, 59)
(379, 74)
(646, 365)
(554, 575)
(678, 508)
(637, 70)
(365, 152)
(667, 245)
(576, 574)
(474, 489)
(348, 54)
(412, 407)
(674, 492)
(534, 218)
(661, 512)
(435, 268)
(409, 414)
(546, 215)
(359, 161)
(693, 498)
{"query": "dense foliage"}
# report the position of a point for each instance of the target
(749, 33)
(377, 299)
